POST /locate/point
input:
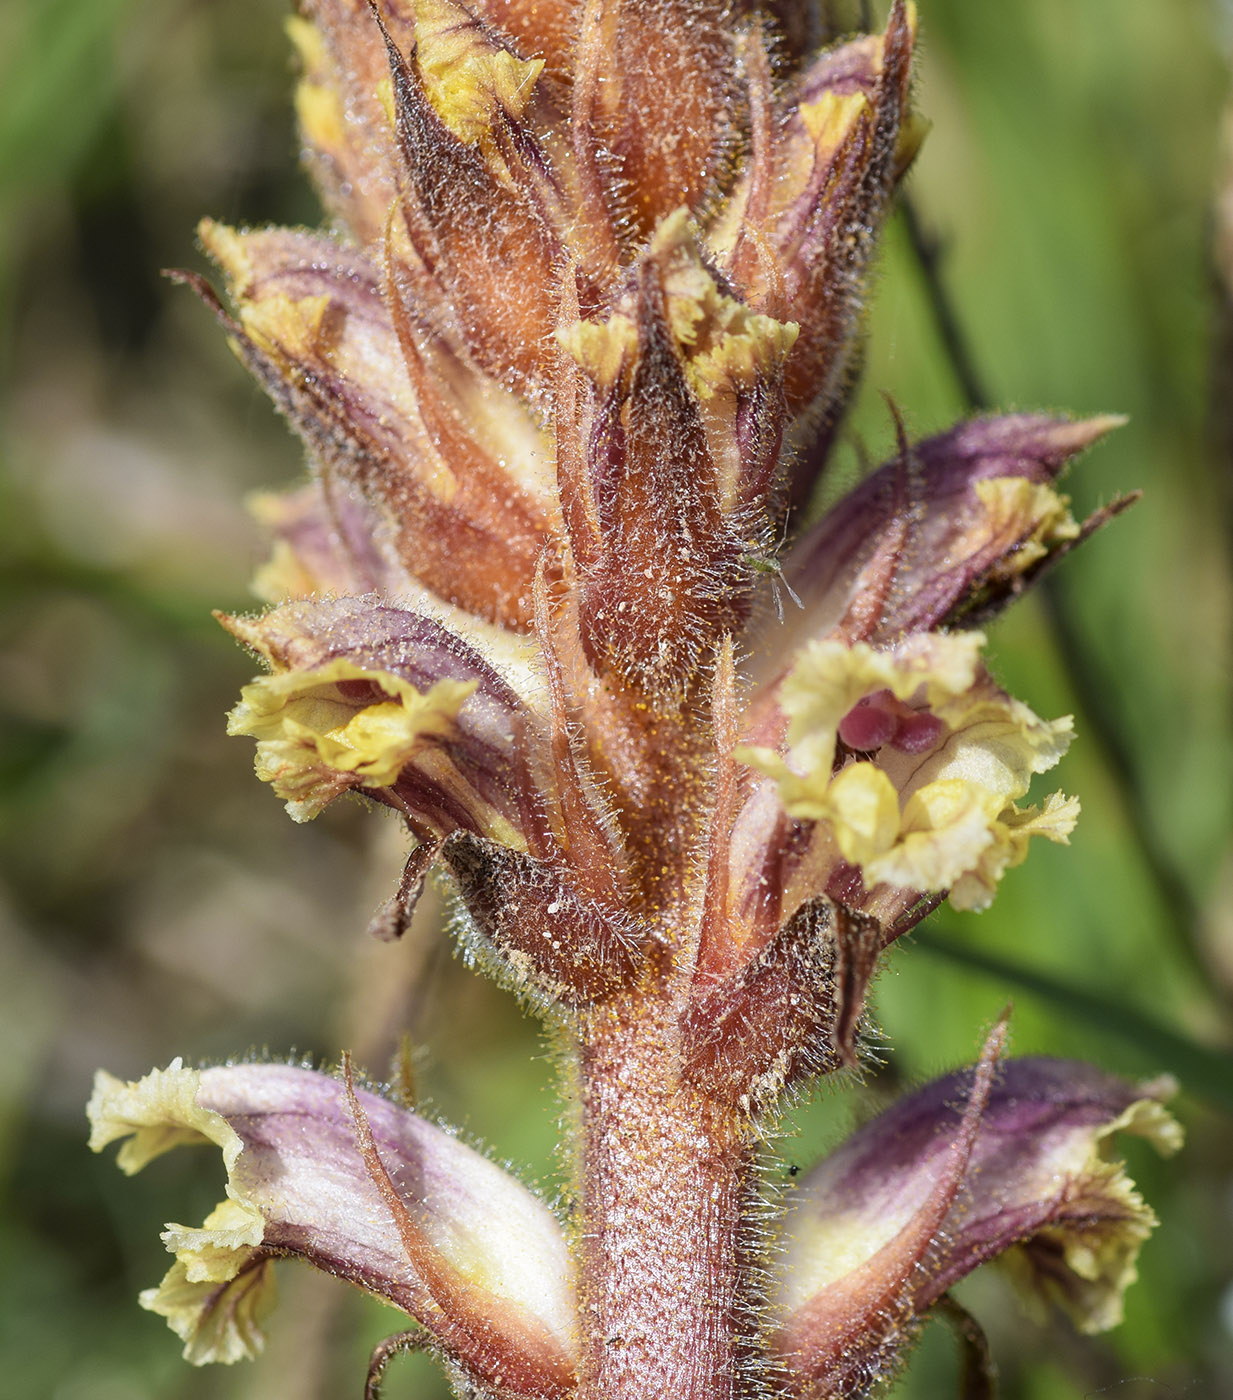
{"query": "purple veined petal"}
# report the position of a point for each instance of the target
(1037, 1181)
(376, 636)
(304, 300)
(949, 514)
(850, 67)
(452, 758)
(491, 1279)
(326, 542)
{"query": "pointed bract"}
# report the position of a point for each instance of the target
(751, 1037)
(652, 95)
(553, 943)
(675, 449)
(840, 144)
(476, 226)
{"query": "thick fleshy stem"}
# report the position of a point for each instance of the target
(670, 1291)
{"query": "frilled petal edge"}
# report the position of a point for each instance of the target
(473, 1255)
(1038, 1182)
(369, 696)
(916, 760)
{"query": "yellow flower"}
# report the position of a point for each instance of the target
(916, 760)
(340, 726)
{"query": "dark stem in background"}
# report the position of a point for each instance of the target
(1091, 688)
(979, 1380)
(928, 250)
(1204, 1071)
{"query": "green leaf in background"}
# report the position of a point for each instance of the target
(58, 79)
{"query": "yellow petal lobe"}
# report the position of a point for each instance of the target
(322, 731)
(218, 1290)
(468, 78)
(936, 813)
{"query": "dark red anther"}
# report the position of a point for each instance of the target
(880, 718)
(870, 723)
(916, 733)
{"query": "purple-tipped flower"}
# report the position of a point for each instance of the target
(576, 351)
(311, 1165)
(1014, 1163)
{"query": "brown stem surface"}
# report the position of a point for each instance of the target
(668, 1283)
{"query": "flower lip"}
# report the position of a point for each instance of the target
(320, 732)
(914, 760)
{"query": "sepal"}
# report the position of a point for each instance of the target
(751, 1036)
(553, 943)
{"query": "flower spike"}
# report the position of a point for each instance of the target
(568, 368)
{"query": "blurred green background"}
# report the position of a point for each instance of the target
(156, 901)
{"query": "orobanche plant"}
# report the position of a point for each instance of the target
(571, 364)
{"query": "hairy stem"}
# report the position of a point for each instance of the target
(669, 1292)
